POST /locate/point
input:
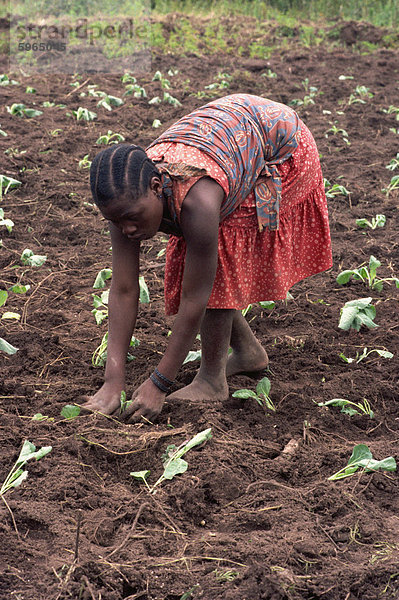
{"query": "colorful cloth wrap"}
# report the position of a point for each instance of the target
(247, 136)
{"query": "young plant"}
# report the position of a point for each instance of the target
(17, 475)
(100, 310)
(101, 278)
(335, 190)
(136, 90)
(100, 353)
(367, 275)
(350, 408)
(335, 130)
(362, 457)
(85, 163)
(172, 460)
(393, 185)
(5, 80)
(165, 83)
(171, 100)
(7, 347)
(20, 110)
(393, 163)
(261, 395)
(70, 411)
(377, 221)
(392, 110)
(83, 114)
(356, 313)
(144, 293)
(361, 356)
(6, 184)
(108, 101)
(29, 258)
(6, 222)
(267, 305)
(110, 138)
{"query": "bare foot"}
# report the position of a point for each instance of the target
(200, 389)
(253, 359)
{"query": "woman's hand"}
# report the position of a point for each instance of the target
(147, 403)
(107, 400)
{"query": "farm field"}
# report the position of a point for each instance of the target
(255, 515)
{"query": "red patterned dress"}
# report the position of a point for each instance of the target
(274, 228)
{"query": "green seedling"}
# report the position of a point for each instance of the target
(267, 305)
(11, 315)
(367, 275)
(6, 184)
(223, 82)
(100, 310)
(110, 138)
(101, 278)
(83, 114)
(392, 110)
(39, 417)
(108, 101)
(356, 313)
(6, 222)
(3, 297)
(228, 575)
(20, 289)
(136, 90)
(377, 221)
(335, 130)
(393, 185)
(360, 95)
(366, 352)
(5, 80)
(48, 104)
(124, 403)
(99, 357)
(128, 78)
(345, 77)
(3, 133)
(85, 163)
(335, 190)
(17, 475)
(29, 258)
(7, 347)
(190, 593)
(350, 408)
(171, 100)
(156, 123)
(393, 163)
(30, 90)
(362, 457)
(270, 74)
(144, 293)
(261, 395)
(55, 132)
(20, 110)
(165, 83)
(172, 460)
(14, 152)
(70, 411)
(155, 100)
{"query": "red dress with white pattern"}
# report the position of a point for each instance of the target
(255, 265)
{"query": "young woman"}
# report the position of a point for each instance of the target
(238, 185)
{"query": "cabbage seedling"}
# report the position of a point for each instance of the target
(350, 408)
(5, 80)
(367, 275)
(393, 163)
(7, 347)
(377, 221)
(110, 138)
(101, 278)
(17, 475)
(83, 114)
(356, 313)
(85, 163)
(144, 293)
(171, 100)
(172, 460)
(136, 90)
(359, 357)
(362, 457)
(70, 411)
(109, 101)
(100, 353)
(6, 222)
(7, 183)
(32, 260)
(335, 190)
(261, 395)
(393, 185)
(21, 110)
(3, 297)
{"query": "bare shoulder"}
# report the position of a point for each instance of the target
(205, 195)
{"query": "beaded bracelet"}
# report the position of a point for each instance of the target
(156, 380)
(163, 378)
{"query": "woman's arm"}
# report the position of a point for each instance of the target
(122, 313)
(200, 226)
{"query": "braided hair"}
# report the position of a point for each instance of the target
(119, 169)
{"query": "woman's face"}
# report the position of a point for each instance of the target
(137, 219)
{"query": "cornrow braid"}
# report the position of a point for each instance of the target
(119, 169)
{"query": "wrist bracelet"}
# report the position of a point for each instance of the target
(163, 378)
(159, 384)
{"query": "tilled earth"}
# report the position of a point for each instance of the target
(255, 515)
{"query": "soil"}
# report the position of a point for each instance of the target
(254, 516)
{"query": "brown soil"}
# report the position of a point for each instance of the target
(254, 517)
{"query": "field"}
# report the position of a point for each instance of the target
(255, 515)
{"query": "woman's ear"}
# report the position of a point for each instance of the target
(156, 185)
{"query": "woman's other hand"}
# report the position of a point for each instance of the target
(147, 402)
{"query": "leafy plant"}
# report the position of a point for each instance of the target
(6, 222)
(108, 101)
(266, 304)
(6, 347)
(144, 293)
(3, 297)
(335, 130)
(85, 163)
(28, 257)
(17, 475)
(99, 356)
(70, 411)
(335, 190)
(171, 100)
(356, 313)
(261, 395)
(377, 221)
(392, 186)
(83, 114)
(110, 138)
(172, 460)
(136, 90)
(165, 83)
(362, 457)
(361, 356)
(20, 110)
(393, 163)
(6, 184)
(392, 110)
(100, 310)
(367, 275)
(5, 80)
(101, 278)
(156, 123)
(350, 408)
(30, 90)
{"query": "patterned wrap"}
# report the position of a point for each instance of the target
(247, 136)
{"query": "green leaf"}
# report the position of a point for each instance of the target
(192, 356)
(263, 387)
(31, 259)
(198, 439)
(39, 417)
(29, 451)
(175, 467)
(387, 464)
(383, 353)
(3, 297)
(373, 266)
(343, 404)
(344, 277)
(20, 289)
(11, 315)
(6, 347)
(70, 411)
(144, 293)
(18, 478)
(348, 315)
(244, 394)
(267, 304)
(101, 278)
(140, 474)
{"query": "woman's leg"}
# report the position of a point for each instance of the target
(248, 354)
(210, 381)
